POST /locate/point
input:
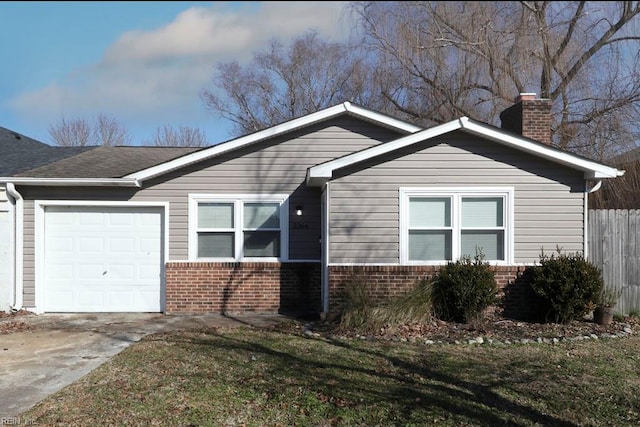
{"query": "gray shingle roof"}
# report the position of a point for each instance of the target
(108, 162)
(19, 153)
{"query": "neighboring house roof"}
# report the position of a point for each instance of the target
(345, 108)
(108, 162)
(319, 174)
(627, 157)
(19, 153)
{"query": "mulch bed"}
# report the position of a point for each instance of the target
(491, 329)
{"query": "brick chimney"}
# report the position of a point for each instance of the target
(529, 117)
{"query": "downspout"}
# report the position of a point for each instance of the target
(18, 246)
(325, 250)
(588, 190)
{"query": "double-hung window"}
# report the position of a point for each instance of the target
(446, 224)
(238, 227)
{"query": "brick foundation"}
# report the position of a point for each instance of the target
(395, 280)
(218, 287)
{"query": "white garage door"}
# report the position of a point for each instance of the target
(102, 259)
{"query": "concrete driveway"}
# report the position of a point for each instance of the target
(58, 349)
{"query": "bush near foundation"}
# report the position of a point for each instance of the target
(567, 286)
(464, 289)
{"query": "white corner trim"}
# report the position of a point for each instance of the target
(18, 246)
(280, 129)
(39, 207)
(80, 182)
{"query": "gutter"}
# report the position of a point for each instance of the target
(17, 200)
(80, 182)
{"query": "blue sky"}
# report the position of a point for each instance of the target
(142, 63)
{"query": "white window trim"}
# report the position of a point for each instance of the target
(238, 200)
(456, 193)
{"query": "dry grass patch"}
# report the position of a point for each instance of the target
(259, 377)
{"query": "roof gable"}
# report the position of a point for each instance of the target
(342, 109)
(319, 174)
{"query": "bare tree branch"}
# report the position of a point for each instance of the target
(184, 136)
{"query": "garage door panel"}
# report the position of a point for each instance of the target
(61, 246)
(103, 259)
(91, 244)
(89, 298)
(121, 220)
(91, 218)
(123, 245)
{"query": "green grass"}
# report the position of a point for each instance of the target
(254, 377)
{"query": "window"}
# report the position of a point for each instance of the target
(440, 225)
(236, 228)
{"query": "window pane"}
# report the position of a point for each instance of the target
(482, 212)
(261, 215)
(491, 243)
(215, 215)
(429, 245)
(429, 212)
(262, 243)
(215, 245)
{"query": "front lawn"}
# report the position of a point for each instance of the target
(270, 377)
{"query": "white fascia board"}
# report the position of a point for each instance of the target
(273, 131)
(72, 182)
(318, 175)
(590, 168)
(381, 118)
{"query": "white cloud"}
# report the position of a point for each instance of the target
(156, 75)
(214, 32)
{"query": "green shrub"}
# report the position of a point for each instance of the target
(567, 286)
(361, 311)
(462, 290)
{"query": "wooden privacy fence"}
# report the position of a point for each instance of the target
(614, 246)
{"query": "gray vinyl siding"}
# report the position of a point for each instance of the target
(275, 166)
(364, 199)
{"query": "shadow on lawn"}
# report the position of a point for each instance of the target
(404, 391)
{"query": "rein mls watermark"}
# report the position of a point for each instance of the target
(16, 421)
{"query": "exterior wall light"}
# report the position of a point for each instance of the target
(299, 210)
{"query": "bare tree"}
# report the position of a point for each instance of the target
(439, 60)
(68, 133)
(284, 83)
(184, 136)
(79, 132)
(108, 131)
(622, 192)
